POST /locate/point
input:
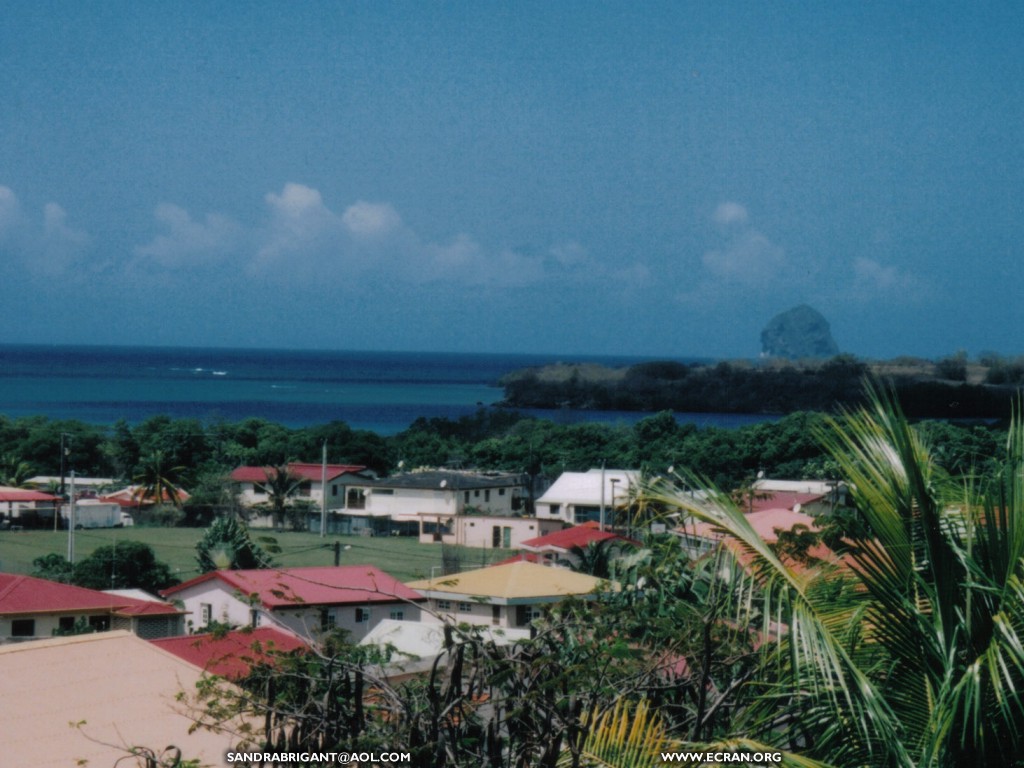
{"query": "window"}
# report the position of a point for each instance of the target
(501, 491)
(476, 494)
(397, 615)
(355, 499)
(23, 628)
(327, 620)
(495, 614)
(259, 490)
(66, 624)
(466, 497)
(487, 495)
(205, 613)
(334, 489)
(466, 607)
(305, 488)
(99, 623)
(526, 613)
(362, 615)
(554, 509)
(444, 605)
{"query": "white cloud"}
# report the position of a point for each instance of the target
(570, 254)
(747, 258)
(301, 229)
(730, 213)
(10, 212)
(61, 245)
(188, 242)
(371, 219)
(872, 279)
(47, 246)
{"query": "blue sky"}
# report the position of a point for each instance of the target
(620, 178)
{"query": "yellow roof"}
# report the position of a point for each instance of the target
(513, 581)
(121, 686)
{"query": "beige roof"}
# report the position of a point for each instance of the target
(513, 581)
(123, 687)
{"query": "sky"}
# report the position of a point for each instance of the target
(620, 178)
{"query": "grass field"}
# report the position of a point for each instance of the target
(402, 557)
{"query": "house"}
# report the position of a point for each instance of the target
(579, 497)
(509, 595)
(812, 496)
(415, 645)
(427, 503)
(24, 508)
(303, 601)
(233, 654)
(134, 497)
(699, 537)
(252, 482)
(120, 690)
(560, 546)
(482, 531)
(32, 608)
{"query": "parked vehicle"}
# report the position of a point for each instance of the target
(90, 513)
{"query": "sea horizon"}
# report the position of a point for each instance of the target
(376, 390)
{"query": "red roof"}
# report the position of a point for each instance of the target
(233, 654)
(526, 557)
(20, 494)
(779, 500)
(132, 496)
(318, 585)
(27, 594)
(765, 523)
(564, 540)
(300, 470)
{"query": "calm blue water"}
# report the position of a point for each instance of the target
(379, 391)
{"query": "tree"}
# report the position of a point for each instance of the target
(281, 485)
(227, 544)
(124, 565)
(157, 481)
(914, 656)
(53, 567)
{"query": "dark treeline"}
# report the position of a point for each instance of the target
(745, 388)
(492, 439)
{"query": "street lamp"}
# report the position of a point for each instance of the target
(613, 481)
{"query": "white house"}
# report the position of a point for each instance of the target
(32, 608)
(483, 531)
(305, 601)
(579, 497)
(251, 484)
(427, 502)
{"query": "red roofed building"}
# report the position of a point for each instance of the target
(134, 497)
(303, 601)
(26, 508)
(32, 608)
(252, 484)
(234, 654)
(559, 546)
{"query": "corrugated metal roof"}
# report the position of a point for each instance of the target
(231, 655)
(27, 594)
(304, 471)
(317, 585)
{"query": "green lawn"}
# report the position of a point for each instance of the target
(402, 557)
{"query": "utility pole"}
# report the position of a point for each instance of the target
(71, 522)
(323, 492)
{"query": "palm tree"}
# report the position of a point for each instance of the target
(281, 485)
(914, 655)
(14, 472)
(157, 482)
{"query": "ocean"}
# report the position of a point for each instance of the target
(379, 391)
